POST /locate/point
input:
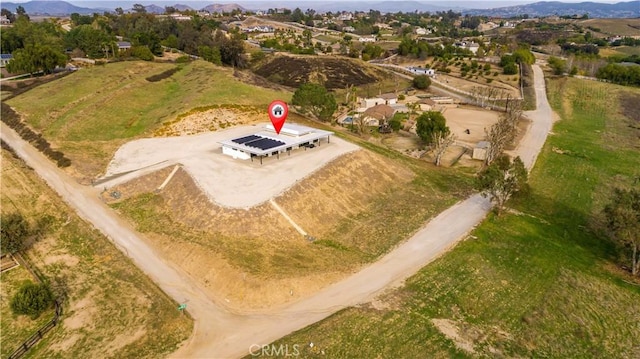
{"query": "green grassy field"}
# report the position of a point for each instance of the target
(535, 282)
(93, 111)
(622, 27)
(110, 307)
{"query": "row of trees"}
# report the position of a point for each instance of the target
(521, 56)
(620, 74)
(422, 50)
(42, 46)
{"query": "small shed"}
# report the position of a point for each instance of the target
(480, 150)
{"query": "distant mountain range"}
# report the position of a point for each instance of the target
(52, 8)
(544, 8)
(63, 8)
(547, 8)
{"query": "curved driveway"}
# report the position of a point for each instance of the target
(219, 333)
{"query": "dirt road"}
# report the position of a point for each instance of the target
(220, 334)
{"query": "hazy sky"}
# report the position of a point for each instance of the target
(333, 1)
(469, 4)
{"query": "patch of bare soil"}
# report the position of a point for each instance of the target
(630, 107)
(341, 191)
(472, 339)
(213, 119)
(107, 302)
(332, 72)
(406, 143)
(254, 258)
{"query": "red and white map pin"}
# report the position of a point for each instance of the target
(278, 111)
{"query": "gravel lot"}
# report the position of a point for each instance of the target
(227, 182)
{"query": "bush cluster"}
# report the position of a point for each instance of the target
(11, 118)
(32, 299)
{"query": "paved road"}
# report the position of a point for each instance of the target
(221, 334)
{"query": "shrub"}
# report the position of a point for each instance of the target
(395, 124)
(510, 69)
(15, 230)
(421, 82)
(142, 52)
(183, 59)
(32, 299)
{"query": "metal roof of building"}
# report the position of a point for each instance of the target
(290, 135)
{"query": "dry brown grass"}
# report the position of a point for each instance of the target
(111, 308)
(254, 257)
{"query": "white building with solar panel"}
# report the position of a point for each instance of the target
(268, 143)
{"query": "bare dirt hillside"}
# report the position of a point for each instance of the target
(255, 258)
(333, 72)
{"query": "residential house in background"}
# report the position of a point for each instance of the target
(426, 104)
(389, 98)
(377, 115)
(371, 38)
(368, 102)
(4, 59)
(345, 16)
(421, 71)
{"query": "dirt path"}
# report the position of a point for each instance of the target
(220, 334)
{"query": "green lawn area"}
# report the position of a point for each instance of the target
(539, 281)
(628, 50)
(117, 101)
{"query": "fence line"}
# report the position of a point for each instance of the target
(37, 336)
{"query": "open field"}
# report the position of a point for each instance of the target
(111, 308)
(474, 119)
(621, 27)
(536, 282)
(620, 50)
(90, 113)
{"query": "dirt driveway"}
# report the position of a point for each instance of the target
(220, 334)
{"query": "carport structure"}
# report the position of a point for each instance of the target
(269, 143)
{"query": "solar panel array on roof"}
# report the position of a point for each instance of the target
(264, 143)
(246, 139)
